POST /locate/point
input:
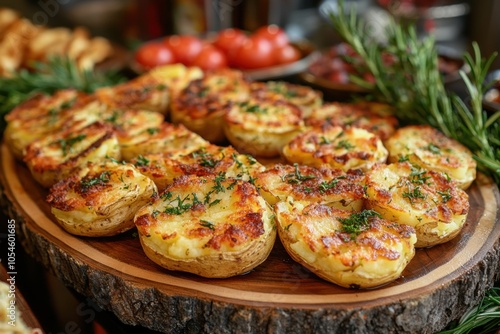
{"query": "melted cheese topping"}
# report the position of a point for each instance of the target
(333, 187)
(429, 148)
(101, 199)
(213, 217)
(313, 234)
(426, 200)
(346, 149)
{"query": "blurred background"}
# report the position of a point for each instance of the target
(455, 23)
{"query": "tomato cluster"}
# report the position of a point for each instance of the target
(267, 46)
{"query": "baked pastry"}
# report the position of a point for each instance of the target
(262, 127)
(353, 250)
(210, 226)
(429, 148)
(207, 160)
(425, 200)
(349, 148)
(371, 116)
(59, 154)
(202, 105)
(330, 186)
(100, 199)
(166, 138)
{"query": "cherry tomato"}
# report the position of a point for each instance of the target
(229, 41)
(273, 34)
(185, 47)
(210, 58)
(255, 53)
(150, 55)
(286, 54)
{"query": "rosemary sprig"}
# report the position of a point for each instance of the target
(412, 83)
(57, 73)
(484, 318)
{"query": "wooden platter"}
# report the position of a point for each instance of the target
(280, 296)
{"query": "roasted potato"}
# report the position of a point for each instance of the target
(429, 148)
(100, 199)
(262, 127)
(425, 200)
(60, 154)
(350, 148)
(353, 250)
(210, 226)
(333, 187)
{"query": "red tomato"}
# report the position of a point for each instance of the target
(229, 41)
(185, 47)
(150, 55)
(255, 53)
(210, 58)
(286, 54)
(274, 34)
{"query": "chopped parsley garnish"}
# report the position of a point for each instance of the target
(100, 180)
(344, 144)
(433, 148)
(179, 205)
(141, 161)
(296, 177)
(414, 194)
(152, 131)
(207, 224)
(404, 158)
(357, 222)
(67, 144)
(445, 195)
(417, 175)
(252, 108)
(324, 141)
(325, 186)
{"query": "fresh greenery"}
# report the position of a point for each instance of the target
(48, 77)
(358, 222)
(412, 83)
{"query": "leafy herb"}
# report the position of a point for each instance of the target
(296, 177)
(142, 161)
(325, 186)
(445, 195)
(412, 83)
(179, 205)
(67, 144)
(46, 78)
(100, 180)
(417, 175)
(152, 131)
(207, 224)
(413, 194)
(357, 222)
(324, 141)
(344, 144)
(433, 148)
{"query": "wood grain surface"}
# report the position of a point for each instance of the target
(438, 286)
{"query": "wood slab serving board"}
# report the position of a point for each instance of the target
(279, 296)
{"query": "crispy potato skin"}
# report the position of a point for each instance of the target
(426, 200)
(201, 106)
(431, 149)
(313, 236)
(211, 226)
(209, 160)
(371, 116)
(333, 187)
(60, 154)
(346, 149)
(100, 200)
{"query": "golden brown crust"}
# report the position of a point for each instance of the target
(59, 154)
(212, 226)
(354, 250)
(429, 148)
(101, 199)
(201, 106)
(333, 187)
(368, 115)
(346, 149)
(209, 160)
(426, 200)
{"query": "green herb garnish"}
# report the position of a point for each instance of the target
(67, 144)
(100, 180)
(358, 222)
